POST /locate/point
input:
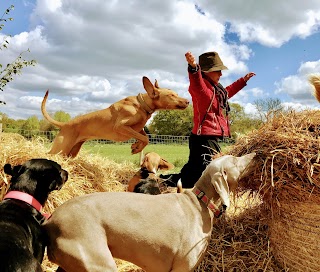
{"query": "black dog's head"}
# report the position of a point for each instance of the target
(36, 177)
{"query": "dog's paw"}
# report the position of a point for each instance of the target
(137, 147)
(135, 150)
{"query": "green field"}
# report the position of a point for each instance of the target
(175, 154)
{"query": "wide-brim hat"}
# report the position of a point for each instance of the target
(210, 61)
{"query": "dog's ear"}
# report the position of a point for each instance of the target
(165, 165)
(156, 84)
(8, 169)
(219, 181)
(150, 89)
(14, 171)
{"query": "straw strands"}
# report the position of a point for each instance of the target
(274, 222)
(287, 177)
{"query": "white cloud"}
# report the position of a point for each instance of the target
(91, 53)
(297, 86)
(271, 23)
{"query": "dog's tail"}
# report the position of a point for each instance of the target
(46, 115)
(315, 81)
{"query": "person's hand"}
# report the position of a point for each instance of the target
(248, 76)
(190, 59)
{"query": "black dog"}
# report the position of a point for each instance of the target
(148, 186)
(22, 241)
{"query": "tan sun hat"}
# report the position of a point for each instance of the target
(210, 61)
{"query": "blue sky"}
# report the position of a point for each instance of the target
(91, 53)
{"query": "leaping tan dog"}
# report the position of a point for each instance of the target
(315, 81)
(167, 232)
(122, 121)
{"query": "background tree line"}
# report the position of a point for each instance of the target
(165, 122)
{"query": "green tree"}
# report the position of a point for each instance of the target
(240, 122)
(172, 122)
(60, 116)
(30, 127)
(32, 123)
(11, 125)
(14, 68)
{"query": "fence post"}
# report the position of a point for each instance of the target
(0, 123)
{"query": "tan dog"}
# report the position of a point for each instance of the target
(151, 163)
(167, 232)
(315, 81)
(122, 121)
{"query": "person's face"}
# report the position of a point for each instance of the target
(215, 76)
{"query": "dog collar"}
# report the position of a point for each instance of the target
(25, 198)
(144, 105)
(210, 205)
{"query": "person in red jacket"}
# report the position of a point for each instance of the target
(210, 114)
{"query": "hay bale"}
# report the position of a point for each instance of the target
(87, 174)
(239, 241)
(295, 234)
(286, 176)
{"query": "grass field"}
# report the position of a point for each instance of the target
(175, 154)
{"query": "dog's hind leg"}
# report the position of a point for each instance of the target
(83, 256)
(75, 149)
(63, 144)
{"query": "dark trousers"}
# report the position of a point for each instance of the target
(201, 147)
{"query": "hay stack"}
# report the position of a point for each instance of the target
(87, 174)
(287, 177)
(240, 239)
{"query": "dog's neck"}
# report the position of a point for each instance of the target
(144, 105)
(208, 202)
(29, 199)
(206, 193)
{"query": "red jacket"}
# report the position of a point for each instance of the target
(215, 123)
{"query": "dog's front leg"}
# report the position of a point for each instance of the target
(142, 139)
(138, 146)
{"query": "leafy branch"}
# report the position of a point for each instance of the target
(16, 66)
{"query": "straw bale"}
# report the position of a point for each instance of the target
(87, 174)
(287, 163)
(239, 242)
(286, 176)
(240, 239)
(295, 236)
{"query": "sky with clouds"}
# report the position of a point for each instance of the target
(91, 53)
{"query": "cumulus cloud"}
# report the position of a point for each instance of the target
(297, 86)
(91, 53)
(271, 23)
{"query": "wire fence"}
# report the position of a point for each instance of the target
(50, 135)
(153, 138)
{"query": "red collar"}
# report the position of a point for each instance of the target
(210, 205)
(26, 198)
